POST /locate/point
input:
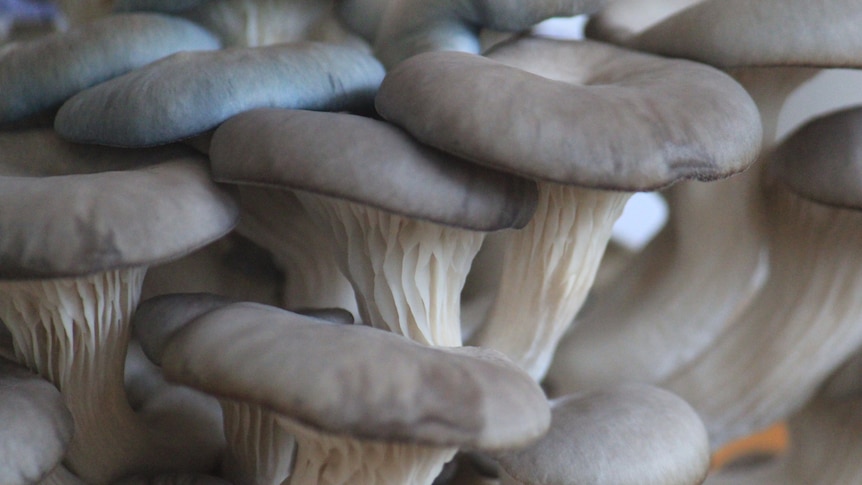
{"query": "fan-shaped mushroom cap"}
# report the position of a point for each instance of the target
(189, 93)
(157, 319)
(369, 162)
(411, 27)
(814, 166)
(733, 33)
(586, 113)
(44, 72)
(36, 426)
(356, 380)
(630, 434)
(64, 224)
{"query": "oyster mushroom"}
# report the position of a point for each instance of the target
(802, 324)
(410, 27)
(42, 73)
(407, 220)
(375, 413)
(628, 434)
(189, 93)
(80, 226)
(587, 166)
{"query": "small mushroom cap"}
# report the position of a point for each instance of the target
(357, 380)
(822, 160)
(44, 72)
(411, 27)
(157, 319)
(631, 434)
(586, 113)
(736, 33)
(58, 224)
(369, 162)
(192, 92)
(36, 425)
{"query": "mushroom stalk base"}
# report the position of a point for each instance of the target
(548, 269)
(259, 451)
(408, 274)
(340, 460)
(75, 332)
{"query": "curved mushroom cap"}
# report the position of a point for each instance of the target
(733, 33)
(369, 162)
(810, 162)
(585, 113)
(56, 223)
(44, 72)
(356, 380)
(157, 319)
(36, 426)
(631, 434)
(411, 27)
(189, 93)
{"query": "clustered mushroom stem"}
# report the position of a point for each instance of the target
(407, 274)
(337, 460)
(260, 451)
(74, 332)
(548, 270)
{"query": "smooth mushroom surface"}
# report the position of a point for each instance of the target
(189, 93)
(545, 138)
(378, 409)
(410, 27)
(627, 434)
(42, 73)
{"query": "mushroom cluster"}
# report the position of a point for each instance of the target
(332, 242)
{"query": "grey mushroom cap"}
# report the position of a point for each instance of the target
(189, 93)
(585, 113)
(59, 224)
(37, 426)
(735, 33)
(411, 27)
(370, 162)
(157, 319)
(630, 434)
(44, 72)
(356, 380)
(814, 166)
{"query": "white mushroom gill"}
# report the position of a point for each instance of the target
(548, 270)
(337, 460)
(74, 332)
(408, 274)
(260, 452)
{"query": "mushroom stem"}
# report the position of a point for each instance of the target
(339, 460)
(74, 332)
(548, 270)
(408, 274)
(806, 308)
(260, 451)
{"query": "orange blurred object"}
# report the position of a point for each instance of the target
(772, 440)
